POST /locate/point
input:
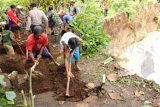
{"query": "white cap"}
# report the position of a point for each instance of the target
(19, 7)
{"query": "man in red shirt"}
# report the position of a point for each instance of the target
(13, 21)
(36, 45)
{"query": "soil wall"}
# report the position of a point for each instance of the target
(124, 32)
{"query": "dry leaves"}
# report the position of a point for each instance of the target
(115, 96)
(138, 93)
(112, 77)
(90, 85)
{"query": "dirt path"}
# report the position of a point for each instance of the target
(134, 91)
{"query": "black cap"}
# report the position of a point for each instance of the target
(37, 30)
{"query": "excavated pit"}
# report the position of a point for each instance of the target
(53, 79)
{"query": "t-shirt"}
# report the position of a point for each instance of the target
(67, 18)
(73, 10)
(7, 37)
(36, 17)
(54, 18)
(65, 38)
(33, 44)
(12, 16)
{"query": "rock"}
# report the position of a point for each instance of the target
(138, 93)
(115, 96)
(158, 104)
(112, 77)
(91, 99)
(82, 105)
(147, 102)
(90, 85)
(108, 60)
(13, 77)
(60, 102)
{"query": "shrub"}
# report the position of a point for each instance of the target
(89, 25)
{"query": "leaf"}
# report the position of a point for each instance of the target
(138, 93)
(146, 106)
(2, 82)
(10, 102)
(10, 95)
(115, 96)
(112, 77)
(1, 77)
(108, 60)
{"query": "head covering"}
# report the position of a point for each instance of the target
(19, 7)
(37, 30)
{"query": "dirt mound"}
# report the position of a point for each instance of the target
(55, 80)
(77, 87)
(9, 63)
(125, 32)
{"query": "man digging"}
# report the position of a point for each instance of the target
(70, 48)
(36, 46)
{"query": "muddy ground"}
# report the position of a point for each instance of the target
(132, 90)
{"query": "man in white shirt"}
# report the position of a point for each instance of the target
(72, 8)
(36, 17)
(70, 48)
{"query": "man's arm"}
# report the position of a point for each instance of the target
(65, 59)
(28, 23)
(40, 53)
(31, 55)
(12, 38)
(45, 19)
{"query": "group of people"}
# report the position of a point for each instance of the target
(36, 28)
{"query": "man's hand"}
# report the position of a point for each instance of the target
(69, 74)
(71, 54)
(25, 32)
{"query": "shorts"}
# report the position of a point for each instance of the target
(15, 28)
(45, 54)
(76, 55)
(9, 49)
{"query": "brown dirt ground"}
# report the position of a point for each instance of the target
(55, 81)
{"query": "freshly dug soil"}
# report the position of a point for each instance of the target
(9, 63)
(54, 79)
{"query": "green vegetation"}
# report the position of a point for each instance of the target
(128, 6)
(7, 98)
(89, 25)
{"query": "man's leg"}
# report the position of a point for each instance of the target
(47, 54)
(76, 58)
(9, 50)
(56, 35)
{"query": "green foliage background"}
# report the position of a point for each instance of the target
(128, 6)
(89, 25)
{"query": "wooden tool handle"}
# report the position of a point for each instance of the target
(68, 81)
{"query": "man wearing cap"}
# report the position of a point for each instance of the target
(36, 45)
(36, 17)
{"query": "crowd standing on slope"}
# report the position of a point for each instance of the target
(34, 25)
